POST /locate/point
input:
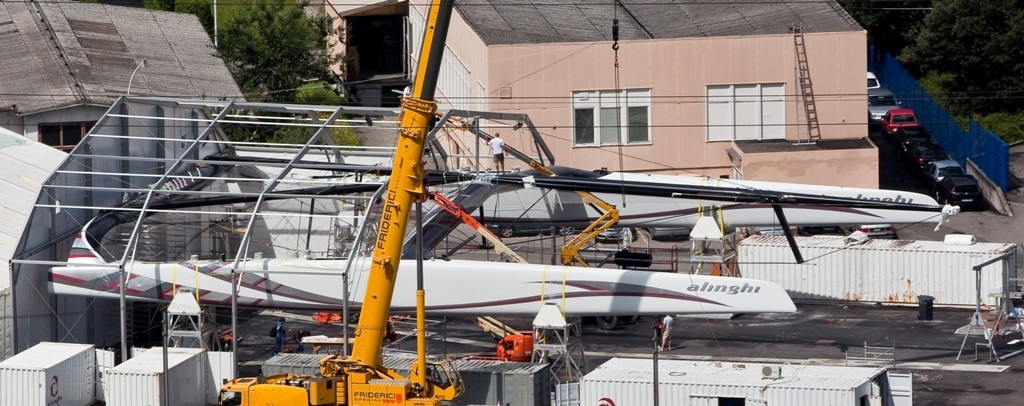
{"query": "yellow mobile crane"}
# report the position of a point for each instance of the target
(362, 379)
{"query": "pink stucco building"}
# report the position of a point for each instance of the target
(710, 88)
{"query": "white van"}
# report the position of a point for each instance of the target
(873, 81)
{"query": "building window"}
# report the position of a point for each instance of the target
(746, 112)
(611, 118)
(64, 136)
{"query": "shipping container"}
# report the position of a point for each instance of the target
(49, 374)
(487, 382)
(887, 271)
(136, 382)
(298, 364)
(629, 381)
(221, 370)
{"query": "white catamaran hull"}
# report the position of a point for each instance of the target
(539, 205)
(453, 287)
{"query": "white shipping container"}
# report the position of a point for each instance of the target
(629, 381)
(136, 382)
(49, 374)
(888, 271)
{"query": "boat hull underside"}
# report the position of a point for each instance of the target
(452, 287)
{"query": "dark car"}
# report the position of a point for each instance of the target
(908, 143)
(669, 233)
(821, 230)
(513, 230)
(909, 133)
(920, 156)
(961, 191)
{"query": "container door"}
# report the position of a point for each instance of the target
(901, 388)
(104, 361)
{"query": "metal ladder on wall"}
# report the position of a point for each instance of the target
(805, 85)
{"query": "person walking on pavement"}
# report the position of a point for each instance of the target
(666, 333)
(278, 336)
(498, 150)
(658, 328)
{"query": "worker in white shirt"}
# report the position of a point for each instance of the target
(666, 333)
(498, 150)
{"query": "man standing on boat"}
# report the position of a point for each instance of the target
(498, 149)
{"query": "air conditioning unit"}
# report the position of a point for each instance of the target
(771, 372)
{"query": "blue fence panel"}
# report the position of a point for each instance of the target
(986, 149)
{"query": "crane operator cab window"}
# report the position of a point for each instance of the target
(230, 398)
(439, 376)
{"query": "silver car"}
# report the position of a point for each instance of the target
(880, 101)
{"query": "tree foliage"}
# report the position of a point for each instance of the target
(316, 93)
(891, 25)
(272, 47)
(977, 48)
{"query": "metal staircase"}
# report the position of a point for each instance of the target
(805, 85)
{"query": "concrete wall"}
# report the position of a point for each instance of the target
(994, 195)
(859, 167)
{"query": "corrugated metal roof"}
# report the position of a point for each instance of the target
(153, 360)
(831, 241)
(45, 355)
(402, 362)
(34, 162)
(732, 374)
(80, 53)
(543, 21)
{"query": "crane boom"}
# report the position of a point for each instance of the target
(457, 211)
(361, 378)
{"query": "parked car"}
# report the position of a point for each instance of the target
(905, 148)
(873, 81)
(768, 231)
(615, 235)
(920, 156)
(513, 230)
(961, 191)
(878, 230)
(940, 169)
(821, 230)
(669, 233)
(905, 133)
(880, 101)
(898, 118)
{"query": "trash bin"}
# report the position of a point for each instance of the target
(925, 307)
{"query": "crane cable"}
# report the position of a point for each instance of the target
(618, 103)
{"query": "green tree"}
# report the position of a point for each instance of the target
(272, 47)
(973, 52)
(891, 25)
(316, 93)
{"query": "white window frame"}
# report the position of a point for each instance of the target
(607, 131)
(740, 112)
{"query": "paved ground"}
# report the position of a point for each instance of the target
(821, 334)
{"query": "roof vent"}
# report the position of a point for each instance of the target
(959, 239)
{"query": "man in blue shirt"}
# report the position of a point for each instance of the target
(278, 336)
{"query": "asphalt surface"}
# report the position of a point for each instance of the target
(815, 334)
